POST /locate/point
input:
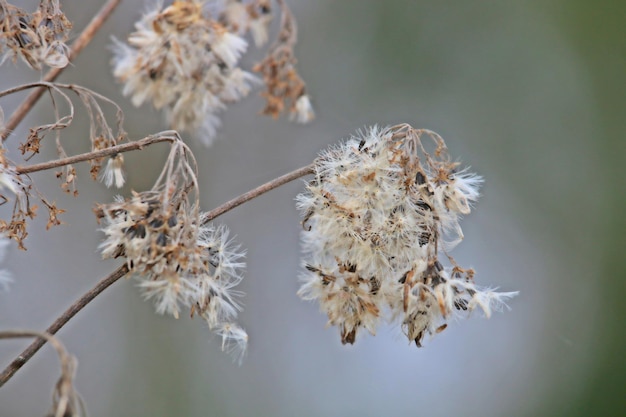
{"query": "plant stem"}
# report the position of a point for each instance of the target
(18, 334)
(79, 44)
(262, 189)
(28, 353)
(125, 147)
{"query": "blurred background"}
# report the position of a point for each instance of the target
(529, 94)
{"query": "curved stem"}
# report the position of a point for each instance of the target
(79, 44)
(56, 344)
(262, 189)
(125, 147)
(28, 353)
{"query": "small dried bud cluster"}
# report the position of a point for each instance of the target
(185, 60)
(14, 187)
(285, 89)
(38, 38)
(18, 186)
(376, 217)
(179, 259)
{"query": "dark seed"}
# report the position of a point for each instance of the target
(136, 230)
(156, 223)
(171, 222)
(424, 205)
(161, 239)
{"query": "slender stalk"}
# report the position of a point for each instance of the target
(125, 147)
(28, 353)
(262, 189)
(19, 334)
(79, 44)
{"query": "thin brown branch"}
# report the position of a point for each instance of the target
(66, 400)
(79, 44)
(125, 147)
(262, 189)
(21, 334)
(28, 353)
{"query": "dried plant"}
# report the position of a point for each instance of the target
(380, 211)
(178, 258)
(376, 217)
(17, 186)
(65, 400)
(185, 60)
(37, 38)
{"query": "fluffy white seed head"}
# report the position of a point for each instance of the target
(185, 62)
(179, 260)
(378, 214)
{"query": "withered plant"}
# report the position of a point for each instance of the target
(380, 215)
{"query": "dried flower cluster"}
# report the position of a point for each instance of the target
(376, 217)
(184, 59)
(179, 259)
(20, 190)
(284, 87)
(38, 38)
(14, 188)
(17, 186)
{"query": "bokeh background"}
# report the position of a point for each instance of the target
(529, 93)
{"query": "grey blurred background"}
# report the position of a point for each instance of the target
(530, 94)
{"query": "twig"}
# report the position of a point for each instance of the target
(28, 353)
(83, 40)
(25, 356)
(66, 400)
(262, 189)
(125, 147)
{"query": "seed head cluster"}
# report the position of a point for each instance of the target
(285, 89)
(179, 258)
(185, 60)
(37, 38)
(377, 216)
(186, 63)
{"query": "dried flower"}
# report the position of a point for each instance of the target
(285, 89)
(38, 38)
(376, 217)
(18, 188)
(185, 63)
(180, 260)
(303, 110)
(114, 172)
